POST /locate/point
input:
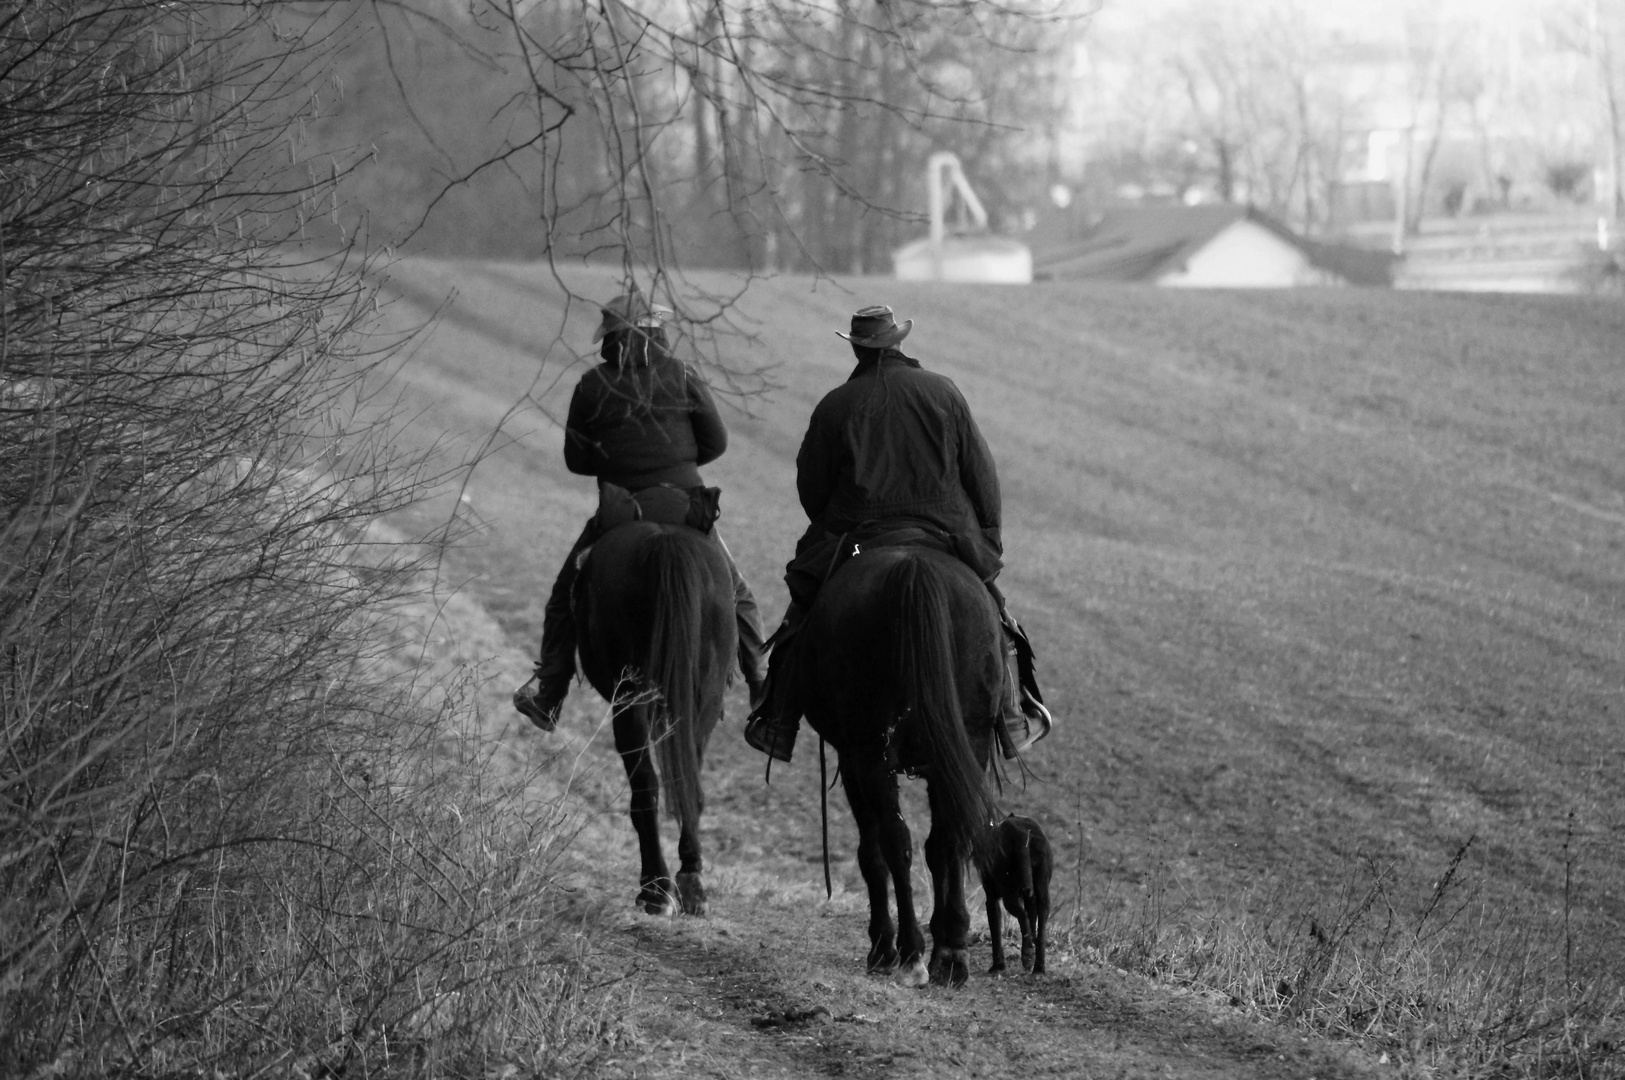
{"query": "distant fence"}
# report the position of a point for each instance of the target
(1566, 254)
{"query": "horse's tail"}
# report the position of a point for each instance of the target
(674, 577)
(917, 592)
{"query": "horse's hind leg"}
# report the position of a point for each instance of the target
(885, 855)
(690, 889)
(656, 891)
(950, 920)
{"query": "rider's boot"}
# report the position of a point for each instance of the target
(541, 698)
(768, 728)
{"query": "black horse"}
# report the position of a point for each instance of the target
(901, 671)
(655, 611)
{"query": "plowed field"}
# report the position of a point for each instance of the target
(1324, 584)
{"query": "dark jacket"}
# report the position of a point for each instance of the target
(639, 425)
(897, 441)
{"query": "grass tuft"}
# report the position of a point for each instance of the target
(1444, 984)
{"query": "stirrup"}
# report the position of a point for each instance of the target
(1017, 731)
(528, 701)
(1035, 713)
(766, 734)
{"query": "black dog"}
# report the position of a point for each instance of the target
(1020, 877)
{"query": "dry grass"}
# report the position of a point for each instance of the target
(1440, 985)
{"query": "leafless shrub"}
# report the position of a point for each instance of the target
(222, 841)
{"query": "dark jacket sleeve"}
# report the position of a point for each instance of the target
(582, 455)
(816, 465)
(978, 475)
(710, 434)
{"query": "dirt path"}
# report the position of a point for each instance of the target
(770, 983)
(724, 996)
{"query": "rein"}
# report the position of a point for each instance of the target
(823, 809)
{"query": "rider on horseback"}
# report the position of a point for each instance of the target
(639, 420)
(895, 445)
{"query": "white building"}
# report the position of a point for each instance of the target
(1215, 245)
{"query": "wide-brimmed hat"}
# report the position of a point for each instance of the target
(630, 310)
(875, 327)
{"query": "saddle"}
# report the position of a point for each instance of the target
(664, 504)
(807, 572)
(882, 534)
(696, 507)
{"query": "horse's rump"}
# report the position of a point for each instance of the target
(901, 657)
(656, 602)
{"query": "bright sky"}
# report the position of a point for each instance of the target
(1361, 14)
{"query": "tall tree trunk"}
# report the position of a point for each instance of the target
(701, 107)
(1227, 168)
(1610, 197)
(880, 237)
(1418, 201)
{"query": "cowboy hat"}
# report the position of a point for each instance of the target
(875, 327)
(628, 311)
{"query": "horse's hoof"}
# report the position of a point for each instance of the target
(882, 959)
(949, 968)
(656, 898)
(690, 893)
(913, 973)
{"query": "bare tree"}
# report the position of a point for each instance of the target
(189, 594)
(766, 134)
(1263, 102)
(1595, 30)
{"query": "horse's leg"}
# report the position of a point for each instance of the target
(872, 864)
(884, 858)
(656, 890)
(995, 932)
(950, 921)
(690, 887)
(897, 847)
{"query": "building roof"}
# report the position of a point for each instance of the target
(1141, 243)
